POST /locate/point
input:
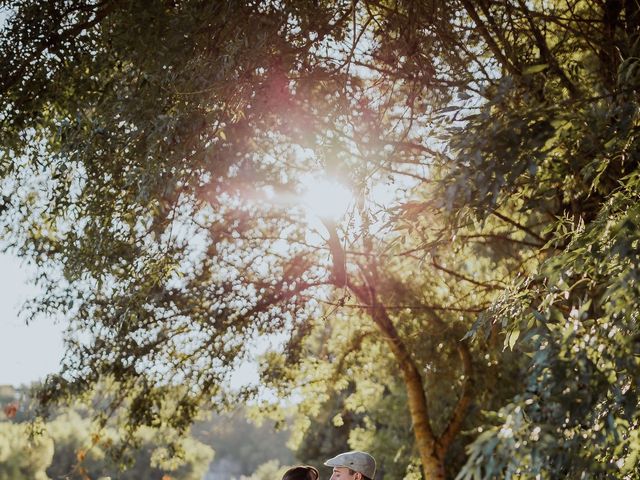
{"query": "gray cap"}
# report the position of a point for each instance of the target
(359, 461)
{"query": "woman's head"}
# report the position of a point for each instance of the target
(302, 472)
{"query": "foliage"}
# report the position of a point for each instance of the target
(22, 458)
(153, 158)
(156, 170)
(365, 406)
(580, 329)
(79, 453)
(563, 146)
(71, 446)
(321, 431)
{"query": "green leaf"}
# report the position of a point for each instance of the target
(530, 70)
(513, 338)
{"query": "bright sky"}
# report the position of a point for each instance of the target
(27, 352)
(30, 352)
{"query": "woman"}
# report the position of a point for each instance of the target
(301, 472)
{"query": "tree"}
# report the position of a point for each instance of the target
(70, 449)
(170, 140)
(562, 142)
(20, 457)
(353, 396)
(151, 164)
(79, 453)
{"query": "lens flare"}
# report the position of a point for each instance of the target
(325, 197)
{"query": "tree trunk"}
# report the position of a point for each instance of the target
(426, 442)
(432, 463)
(432, 452)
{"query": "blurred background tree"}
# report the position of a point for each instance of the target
(20, 457)
(70, 446)
(73, 446)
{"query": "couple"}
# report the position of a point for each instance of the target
(346, 466)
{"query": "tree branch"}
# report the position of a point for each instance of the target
(338, 270)
(547, 56)
(462, 405)
(518, 225)
(491, 43)
(463, 277)
(422, 306)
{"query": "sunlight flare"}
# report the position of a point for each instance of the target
(325, 197)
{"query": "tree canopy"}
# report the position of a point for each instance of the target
(155, 158)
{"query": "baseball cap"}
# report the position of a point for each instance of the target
(358, 461)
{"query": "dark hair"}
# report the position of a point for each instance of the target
(301, 472)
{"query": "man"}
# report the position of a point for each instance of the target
(352, 466)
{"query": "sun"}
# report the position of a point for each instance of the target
(325, 197)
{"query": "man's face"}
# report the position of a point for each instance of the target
(342, 473)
